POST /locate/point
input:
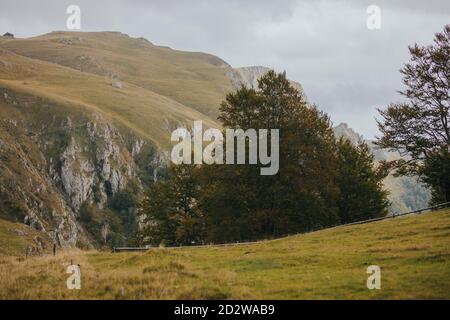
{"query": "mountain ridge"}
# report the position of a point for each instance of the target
(86, 121)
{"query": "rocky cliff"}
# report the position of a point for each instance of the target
(53, 163)
(84, 128)
(249, 76)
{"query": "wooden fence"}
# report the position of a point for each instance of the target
(432, 208)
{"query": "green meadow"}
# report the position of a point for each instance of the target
(413, 253)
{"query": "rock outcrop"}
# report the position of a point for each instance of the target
(50, 166)
(249, 76)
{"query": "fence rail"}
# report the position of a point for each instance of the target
(125, 249)
(394, 215)
(419, 211)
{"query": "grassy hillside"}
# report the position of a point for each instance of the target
(196, 80)
(413, 254)
(150, 115)
(16, 238)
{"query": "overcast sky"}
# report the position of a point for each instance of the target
(345, 68)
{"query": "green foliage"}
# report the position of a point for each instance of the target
(148, 171)
(104, 226)
(223, 203)
(171, 216)
(123, 204)
(362, 195)
(436, 172)
(419, 127)
(300, 197)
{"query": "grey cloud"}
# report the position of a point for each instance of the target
(345, 68)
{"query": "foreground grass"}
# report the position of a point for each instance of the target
(412, 252)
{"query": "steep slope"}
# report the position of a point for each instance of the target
(17, 239)
(70, 139)
(196, 80)
(27, 192)
(53, 160)
(147, 113)
(405, 193)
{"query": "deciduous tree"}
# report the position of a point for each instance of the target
(419, 127)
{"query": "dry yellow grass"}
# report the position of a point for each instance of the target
(193, 79)
(412, 252)
(150, 115)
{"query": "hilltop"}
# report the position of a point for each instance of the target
(193, 79)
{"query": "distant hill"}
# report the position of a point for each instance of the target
(406, 193)
(196, 80)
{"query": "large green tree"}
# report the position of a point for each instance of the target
(302, 195)
(309, 191)
(419, 127)
(320, 182)
(360, 183)
(169, 213)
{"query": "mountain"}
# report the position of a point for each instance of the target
(405, 193)
(85, 124)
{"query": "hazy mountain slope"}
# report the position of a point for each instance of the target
(249, 76)
(406, 193)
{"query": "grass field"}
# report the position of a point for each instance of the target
(412, 252)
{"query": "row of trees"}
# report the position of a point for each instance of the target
(321, 181)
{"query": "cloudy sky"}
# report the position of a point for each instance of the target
(345, 68)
